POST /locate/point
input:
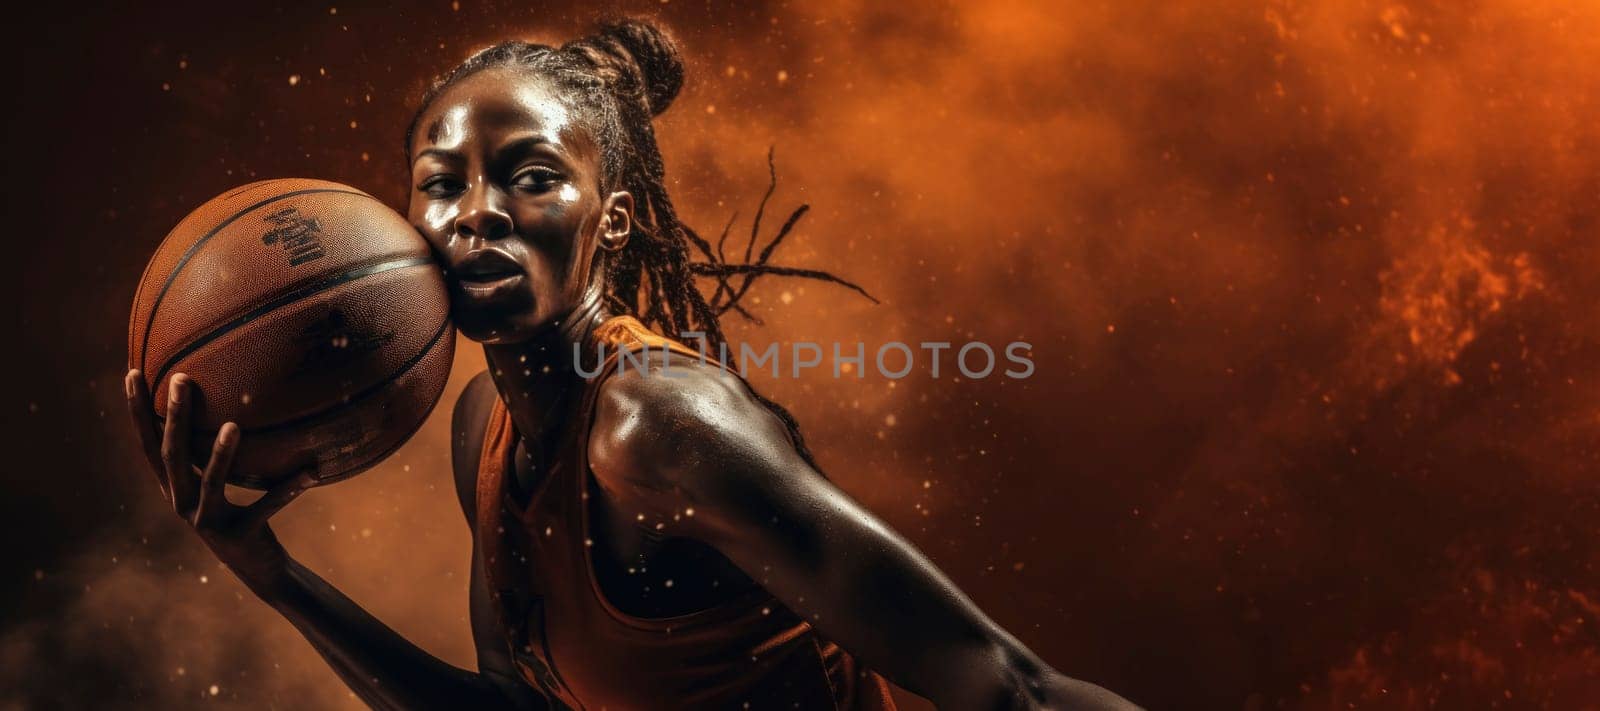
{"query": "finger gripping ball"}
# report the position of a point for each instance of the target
(305, 311)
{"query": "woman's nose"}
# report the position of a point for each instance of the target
(483, 215)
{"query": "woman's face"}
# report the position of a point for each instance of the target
(506, 189)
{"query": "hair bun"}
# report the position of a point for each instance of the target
(652, 53)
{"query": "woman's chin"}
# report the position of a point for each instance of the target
(491, 336)
(497, 328)
(488, 326)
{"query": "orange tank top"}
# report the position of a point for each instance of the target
(567, 639)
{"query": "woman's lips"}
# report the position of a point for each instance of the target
(486, 273)
(487, 286)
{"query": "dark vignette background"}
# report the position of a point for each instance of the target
(1311, 287)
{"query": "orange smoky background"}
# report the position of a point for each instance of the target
(1311, 288)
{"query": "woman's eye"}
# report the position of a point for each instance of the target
(440, 186)
(536, 180)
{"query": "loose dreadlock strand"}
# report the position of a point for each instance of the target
(761, 269)
(766, 252)
(723, 240)
(727, 297)
(772, 186)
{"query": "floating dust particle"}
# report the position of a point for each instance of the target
(294, 80)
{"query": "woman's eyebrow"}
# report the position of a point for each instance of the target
(527, 144)
(439, 153)
(521, 148)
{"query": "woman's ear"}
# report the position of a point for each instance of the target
(616, 221)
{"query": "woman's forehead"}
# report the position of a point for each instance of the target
(494, 102)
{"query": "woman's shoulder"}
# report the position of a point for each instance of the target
(468, 422)
(674, 416)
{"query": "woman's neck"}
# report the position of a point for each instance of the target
(536, 377)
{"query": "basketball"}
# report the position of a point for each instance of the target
(305, 311)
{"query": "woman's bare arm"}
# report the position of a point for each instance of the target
(380, 666)
(698, 454)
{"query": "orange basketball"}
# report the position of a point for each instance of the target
(305, 311)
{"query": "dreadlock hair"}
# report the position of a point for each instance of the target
(614, 82)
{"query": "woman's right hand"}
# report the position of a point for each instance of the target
(238, 535)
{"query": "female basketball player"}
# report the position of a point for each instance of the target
(642, 540)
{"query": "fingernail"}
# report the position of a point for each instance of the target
(229, 433)
(178, 383)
